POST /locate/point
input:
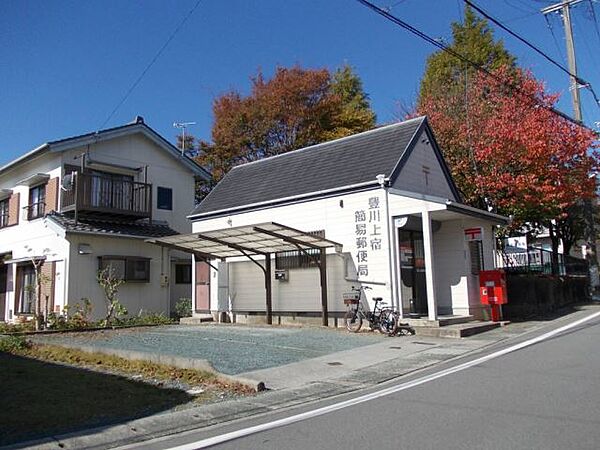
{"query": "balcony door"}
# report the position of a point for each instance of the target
(112, 191)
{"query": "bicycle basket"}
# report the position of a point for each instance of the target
(351, 298)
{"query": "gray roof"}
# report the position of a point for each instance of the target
(138, 126)
(118, 229)
(342, 163)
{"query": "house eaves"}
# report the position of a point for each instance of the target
(309, 196)
(112, 133)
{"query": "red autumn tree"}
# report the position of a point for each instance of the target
(297, 107)
(508, 150)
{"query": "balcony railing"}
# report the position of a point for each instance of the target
(99, 194)
(35, 210)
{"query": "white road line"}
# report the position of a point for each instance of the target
(374, 395)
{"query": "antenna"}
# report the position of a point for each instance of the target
(182, 126)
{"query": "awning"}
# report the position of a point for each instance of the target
(258, 239)
(252, 240)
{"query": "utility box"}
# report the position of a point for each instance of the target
(282, 275)
(492, 290)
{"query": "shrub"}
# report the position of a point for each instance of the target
(13, 344)
(183, 308)
(16, 327)
(144, 319)
(75, 317)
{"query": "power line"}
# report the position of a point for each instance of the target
(523, 40)
(578, 79)
(594, 19)
(549, 25)
(479, 67)
(151, 63)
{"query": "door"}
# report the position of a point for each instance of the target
(412, 271)
(3, 280)
(202, 287)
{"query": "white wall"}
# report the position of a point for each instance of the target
(149, 297)
(163, 170)
(413, 178)
(30, 239)
(335, 215)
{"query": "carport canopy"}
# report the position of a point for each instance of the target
(261, 239)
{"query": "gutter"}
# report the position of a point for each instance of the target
(476, 212)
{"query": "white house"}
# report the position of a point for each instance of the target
(387, 211)
(89, 201)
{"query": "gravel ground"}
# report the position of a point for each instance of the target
(231, 349)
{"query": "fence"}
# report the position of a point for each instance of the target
(538, 260)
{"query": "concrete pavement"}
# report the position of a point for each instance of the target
(305, 382)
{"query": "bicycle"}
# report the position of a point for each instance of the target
(382, 317)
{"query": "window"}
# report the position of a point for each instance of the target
(296, 259)
(476, 252)
(128, 268)
(26, 285)
(37, 202)
(183, 274)
(4, 213)
(164, 198)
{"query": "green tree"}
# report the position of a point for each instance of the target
(355, 113)
(449, 81)
(447, 75)
(297, 107)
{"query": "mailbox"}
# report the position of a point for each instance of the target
(492, 290)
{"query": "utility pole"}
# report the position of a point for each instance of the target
(564, 7)
(182, 126)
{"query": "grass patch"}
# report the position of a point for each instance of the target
(49, 390)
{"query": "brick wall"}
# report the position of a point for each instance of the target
(13, 209)
(52, 195)
(47, 288)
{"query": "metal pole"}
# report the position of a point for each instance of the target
(268, 289)
(323, 273)
(566, 13)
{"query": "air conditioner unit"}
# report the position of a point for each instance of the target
(67, 181)
(282, 275)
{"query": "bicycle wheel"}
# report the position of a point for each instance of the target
(353, 321)
(388, 322)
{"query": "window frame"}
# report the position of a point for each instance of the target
(37, 210)
(128, 267)
(4, 213)
(24, 270)
(164, 190)
(296, 259)
(179, 274)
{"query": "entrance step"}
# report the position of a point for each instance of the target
(440, 322)
(457, 330)
(196, 319)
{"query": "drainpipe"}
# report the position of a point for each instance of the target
(384, 183)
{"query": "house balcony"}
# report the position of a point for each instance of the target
(99, 195)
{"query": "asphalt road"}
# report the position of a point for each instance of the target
(544, 396)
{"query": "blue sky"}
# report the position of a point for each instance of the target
(65, 65)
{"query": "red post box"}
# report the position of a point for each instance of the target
(492, 290)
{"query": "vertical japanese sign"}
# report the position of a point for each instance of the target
(367, 231)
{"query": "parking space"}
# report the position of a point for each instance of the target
(230, 349)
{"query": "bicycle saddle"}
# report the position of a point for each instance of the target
(377, 299)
